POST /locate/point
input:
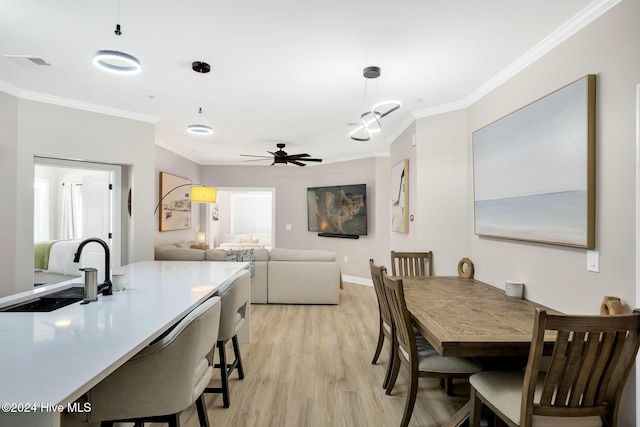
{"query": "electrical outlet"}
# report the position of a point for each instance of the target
(346, 258)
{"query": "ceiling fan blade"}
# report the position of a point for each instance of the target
(258, 160)
(311, 160)
(296, 162)
(262, 157)
(298, 156)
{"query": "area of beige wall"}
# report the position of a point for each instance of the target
(442, 186)
(555, 276)
(291, 185)
(402, 149)
(167, 161)
(49, 130)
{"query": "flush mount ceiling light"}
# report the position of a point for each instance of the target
(115, 61)
(200, 127)
(371, 119)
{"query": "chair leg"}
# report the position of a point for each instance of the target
(201, 406)
(174, 420)
(224, 375)
(390, 362)
(380, 343)
(394, 372)
(411, 399)
(448, 386)
(238, 361)
(476, 409)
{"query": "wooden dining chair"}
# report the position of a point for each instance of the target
(591, 360)
(411, 263)
(413, 351)
(385, 325)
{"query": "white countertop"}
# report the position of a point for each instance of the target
(53, 358)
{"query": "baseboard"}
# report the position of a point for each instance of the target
(357, 280)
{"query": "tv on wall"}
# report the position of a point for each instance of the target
(339, 210)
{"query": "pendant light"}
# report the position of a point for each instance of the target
(200, 126)
(116, 61)
(371, 119)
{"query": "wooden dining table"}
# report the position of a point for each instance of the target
(469, 318)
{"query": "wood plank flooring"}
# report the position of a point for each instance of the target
(311, 366)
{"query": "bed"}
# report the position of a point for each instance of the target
(53, 261)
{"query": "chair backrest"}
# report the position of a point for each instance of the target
(383, 305)
(406, 339)
(590, 363)
(235, 297)
(411, 263)
(175, 367)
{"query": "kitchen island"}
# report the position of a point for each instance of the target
(48, 360)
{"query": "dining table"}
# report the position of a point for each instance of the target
(468, 318)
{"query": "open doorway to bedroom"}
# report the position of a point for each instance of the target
(73, 201)
(242, 218)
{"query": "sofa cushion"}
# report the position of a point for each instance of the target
(174, 253)
(279, 254)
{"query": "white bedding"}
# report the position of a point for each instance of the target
(61, 258)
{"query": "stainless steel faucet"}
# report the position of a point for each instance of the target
(107, 288)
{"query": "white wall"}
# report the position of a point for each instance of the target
(31, 128)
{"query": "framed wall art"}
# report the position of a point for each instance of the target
(400, 197)
(175, 202)
(534, 170)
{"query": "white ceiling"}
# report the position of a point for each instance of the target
(282, 70)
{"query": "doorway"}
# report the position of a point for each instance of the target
(73, 201)
(245, 212)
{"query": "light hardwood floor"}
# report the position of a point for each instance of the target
(310, 366)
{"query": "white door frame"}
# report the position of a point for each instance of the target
(116, 206)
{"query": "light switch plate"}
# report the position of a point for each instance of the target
(593, 261)
(288, 227)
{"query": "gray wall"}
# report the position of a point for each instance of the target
(291, 183)
(31, 128)
(167, 161)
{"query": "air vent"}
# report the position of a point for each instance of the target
(28, 60)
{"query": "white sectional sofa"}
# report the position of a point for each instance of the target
(281, 276)
(245, 241)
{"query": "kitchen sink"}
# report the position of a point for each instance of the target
(50, 302)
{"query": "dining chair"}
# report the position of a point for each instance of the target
(413, 351)
(235, 297)
(385, 325)
(591, 360)
(163, 379)
(411, 263)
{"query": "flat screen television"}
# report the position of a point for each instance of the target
(338, 210)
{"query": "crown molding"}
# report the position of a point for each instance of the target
(78, 105)
(587, 15)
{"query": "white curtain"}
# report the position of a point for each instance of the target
(71, 225)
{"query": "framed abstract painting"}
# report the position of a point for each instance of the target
(534, 170)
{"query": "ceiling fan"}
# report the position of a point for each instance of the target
(281, 157)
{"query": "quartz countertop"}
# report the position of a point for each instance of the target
(53, 358)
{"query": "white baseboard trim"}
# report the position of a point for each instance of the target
(357, 280)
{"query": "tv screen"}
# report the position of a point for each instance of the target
(341, 209)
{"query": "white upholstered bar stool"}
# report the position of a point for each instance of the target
(235, 298)
(163, 379)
